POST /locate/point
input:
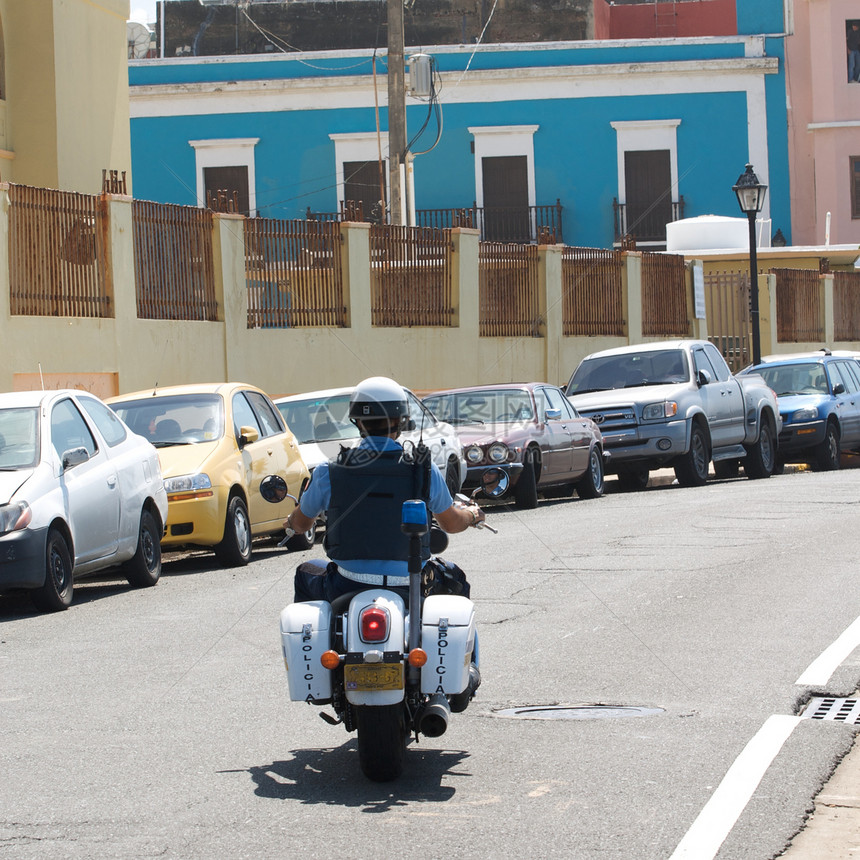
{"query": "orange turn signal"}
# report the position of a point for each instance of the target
(417, 657)
(184, 497)
(330, 659)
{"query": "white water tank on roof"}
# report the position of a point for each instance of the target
(708, 232)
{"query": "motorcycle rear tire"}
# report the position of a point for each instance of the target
(382, 738)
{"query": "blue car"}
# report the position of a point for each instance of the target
(819, 401)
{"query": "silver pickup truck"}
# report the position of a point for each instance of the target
(676, 403)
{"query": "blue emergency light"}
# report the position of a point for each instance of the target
(413, 517)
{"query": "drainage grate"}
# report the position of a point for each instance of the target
(831, 708)
(576, 712)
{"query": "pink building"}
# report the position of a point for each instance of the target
(824, 122)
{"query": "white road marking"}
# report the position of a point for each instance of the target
(703, 840)
(820, 670)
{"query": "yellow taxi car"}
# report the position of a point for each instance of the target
(216, 442)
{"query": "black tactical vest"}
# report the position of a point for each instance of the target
(368, 489)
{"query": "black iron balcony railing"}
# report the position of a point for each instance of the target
(521, 224)
(646, 224)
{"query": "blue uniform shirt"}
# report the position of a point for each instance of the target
(317, 496)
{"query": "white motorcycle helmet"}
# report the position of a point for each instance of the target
(379, 398)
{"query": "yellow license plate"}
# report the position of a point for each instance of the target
(369, 677)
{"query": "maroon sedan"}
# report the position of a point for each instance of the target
(531, 431)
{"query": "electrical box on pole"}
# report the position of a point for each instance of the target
(420, 76)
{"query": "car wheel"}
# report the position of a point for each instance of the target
(56, 594)
(525, 489)
(727, 468)
(590, 485)
(144, 567)
(452, 476)
(778, 467)
(691, 469)
(828, 453)
(235, 548)
(633, 479)
(761, 456)
(303, 541)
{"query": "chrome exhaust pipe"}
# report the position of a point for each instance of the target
(433, 719)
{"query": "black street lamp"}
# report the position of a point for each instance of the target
(750, 194)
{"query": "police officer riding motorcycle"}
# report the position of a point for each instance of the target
(352, 616)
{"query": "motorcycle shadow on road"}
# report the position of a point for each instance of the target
(331, 776)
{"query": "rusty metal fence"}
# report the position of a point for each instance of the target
(799, 305)
(508, 291)
(846, 305)
(410, 276)
(727, 306)
(294, 273)
(173, 267)
(664, 295)
(58, 253)
(592, 291)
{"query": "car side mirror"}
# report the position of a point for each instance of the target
(410, 424)
(839, 388)
(74, 457)
(552, 414)
(703, 378)
(247, 435)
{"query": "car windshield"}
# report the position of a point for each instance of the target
(319, 419)
(801, 378)
(19, 438)
(500, 406)
(629, 370)
(180, 419)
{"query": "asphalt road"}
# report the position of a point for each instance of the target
(156, 723)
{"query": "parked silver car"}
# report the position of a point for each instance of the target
(79, 493)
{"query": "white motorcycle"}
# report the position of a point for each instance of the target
(385, 677)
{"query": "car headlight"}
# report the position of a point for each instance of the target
(14, 517)
(807, 414)
(187, 483)
(474, 454)
(498, 452)
(666, 409)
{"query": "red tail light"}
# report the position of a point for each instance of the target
(373, 624)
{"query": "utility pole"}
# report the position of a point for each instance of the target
(396, 110)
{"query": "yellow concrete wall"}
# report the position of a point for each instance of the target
(125, 354)
(65, 116)
(137, 354)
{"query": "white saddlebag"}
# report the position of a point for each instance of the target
(448, 637)
(305, 635)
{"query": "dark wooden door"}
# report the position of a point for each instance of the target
(230, 180)
(506, 199)
(361, 184)
(648, 186)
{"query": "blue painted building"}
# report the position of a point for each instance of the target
(625, 134)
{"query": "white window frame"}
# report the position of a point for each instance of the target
(636, 135)
(226, 152)
(358, 146)
(494, 141)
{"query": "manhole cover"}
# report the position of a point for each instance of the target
(576, 712)
(831, 708)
